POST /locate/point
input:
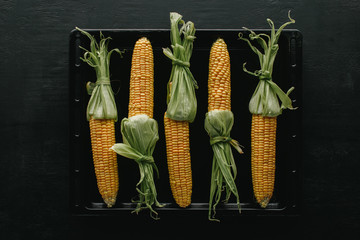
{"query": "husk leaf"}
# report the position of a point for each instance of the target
(102, 103)
(140, 134)
(265, 99)
(218, 125)
(181, 99)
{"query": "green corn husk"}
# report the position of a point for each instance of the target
(265, 99)
(140, 134)
(182, 103)
(218, 124)
(102, 102)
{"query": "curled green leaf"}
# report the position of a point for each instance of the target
(102, 102)
(265, 99)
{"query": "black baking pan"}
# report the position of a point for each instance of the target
(84, 196)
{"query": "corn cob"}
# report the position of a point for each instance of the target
(218, 124)
(219, 86)
(265, 108)
(102, 133)
(181, 109)
(141, 100)
(102, 113)
(263, 142)
(139, 130)
(178, 159)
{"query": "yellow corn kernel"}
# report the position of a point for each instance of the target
(178, 159)
(219, 85)
(141, 100)
(102, 133)
(263, 144)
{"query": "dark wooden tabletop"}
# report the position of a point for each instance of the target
(34, 123)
